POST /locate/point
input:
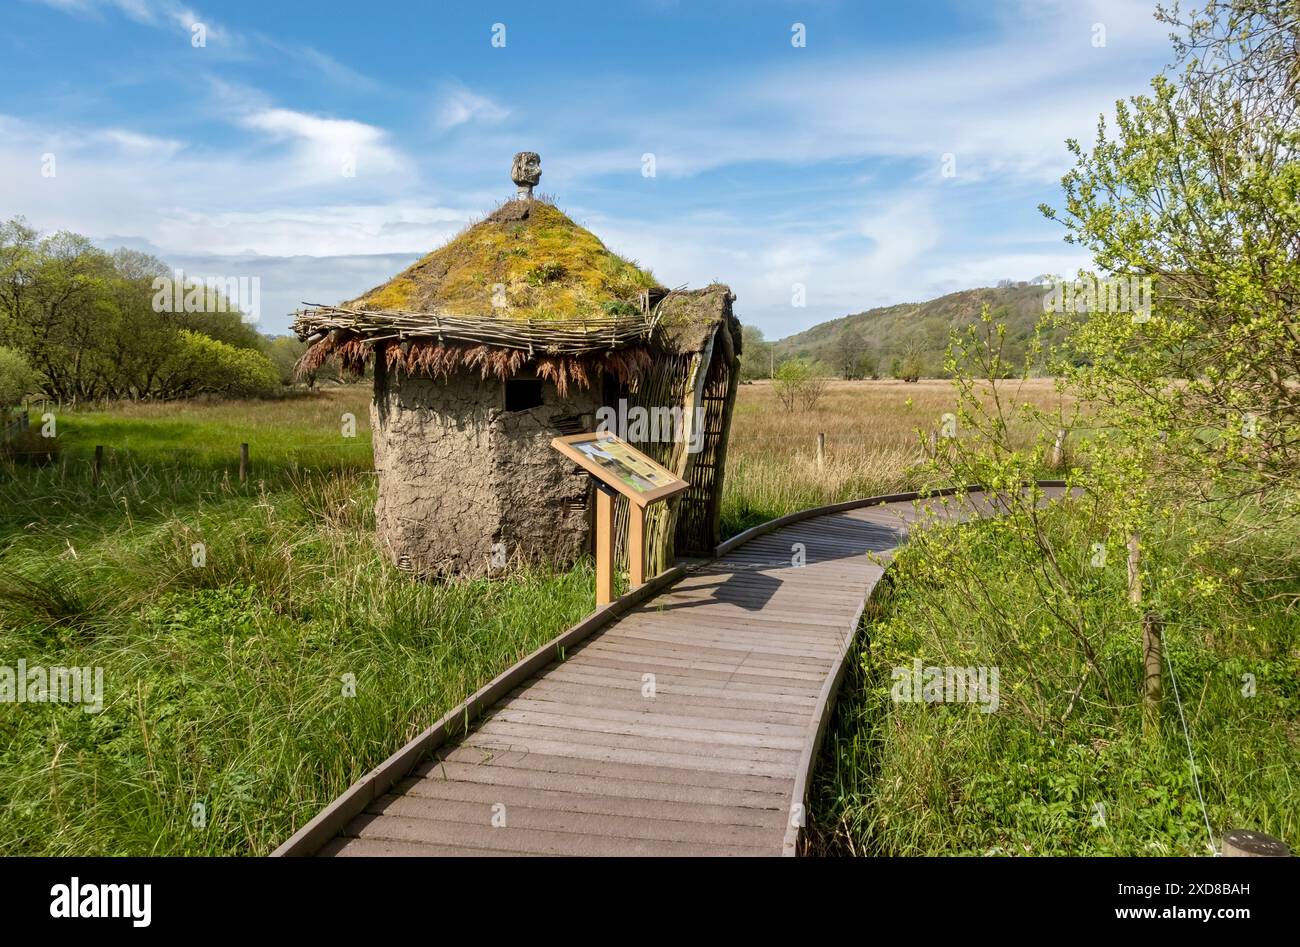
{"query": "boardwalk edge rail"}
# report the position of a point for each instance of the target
(460, 719)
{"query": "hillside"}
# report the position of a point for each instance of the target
(890, 333)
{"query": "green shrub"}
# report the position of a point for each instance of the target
(202, 365)
(17, 378)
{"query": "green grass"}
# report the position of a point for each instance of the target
(944, 779)
(225, 685)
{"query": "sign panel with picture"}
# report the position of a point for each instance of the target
(620, 465)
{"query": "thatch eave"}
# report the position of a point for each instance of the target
(556, 337)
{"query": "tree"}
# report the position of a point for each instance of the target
(284, 352)
(93, 326)
(1196, 190)
(789, 379)
(909, 363)
(850, 353)
(200, 365)
(869, 366)
(755, 354)
(799, 382)
(17, 380)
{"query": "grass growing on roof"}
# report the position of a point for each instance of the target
(550, 267)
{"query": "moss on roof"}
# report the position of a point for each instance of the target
(549, 267)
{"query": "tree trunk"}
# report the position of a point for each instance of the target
(1152, 680)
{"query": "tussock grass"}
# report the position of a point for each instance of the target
(945, 779)
(225, 685)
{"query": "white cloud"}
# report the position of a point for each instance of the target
(142, 145)
(459, 105)
(324, 146)
(156, 13)
(281, 195)
(274, 193)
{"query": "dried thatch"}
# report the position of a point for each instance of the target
(434, 359)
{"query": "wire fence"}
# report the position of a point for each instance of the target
(14, 426)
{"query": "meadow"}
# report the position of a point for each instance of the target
(243, 694)
(875, 433)
(1058, 769)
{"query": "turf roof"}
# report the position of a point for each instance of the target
(550, 268)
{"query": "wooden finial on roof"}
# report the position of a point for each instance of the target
(526, 171)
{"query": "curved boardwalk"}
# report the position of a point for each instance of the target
(686, 726)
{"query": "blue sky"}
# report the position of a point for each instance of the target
(774, 165)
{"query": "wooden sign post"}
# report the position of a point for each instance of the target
(619, 468)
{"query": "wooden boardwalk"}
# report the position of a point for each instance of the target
(687, 725)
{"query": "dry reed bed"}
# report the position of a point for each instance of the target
(874, 431)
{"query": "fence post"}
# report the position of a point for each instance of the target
(1247, 843)
(821, 450)
(96, 465)
(243, 463)
(1058, 448)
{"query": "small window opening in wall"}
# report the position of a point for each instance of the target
(523, 393)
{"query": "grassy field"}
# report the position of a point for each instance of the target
(873, 444)
(243, 694)
(943, 779)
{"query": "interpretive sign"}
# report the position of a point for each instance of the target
(619, 467)
(616, 462)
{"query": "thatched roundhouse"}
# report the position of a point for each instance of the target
(522, 328)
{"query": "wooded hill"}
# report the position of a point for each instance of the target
(882, 340)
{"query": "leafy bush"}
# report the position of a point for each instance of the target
(201, 365)
(799, 382)
(17, 378)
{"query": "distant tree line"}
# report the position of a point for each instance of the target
(851, 358)
(86, 324)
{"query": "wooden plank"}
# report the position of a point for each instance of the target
(635, 545)
(572, 694)
(752, 623)
(763, 643)
(602, 656)
(651, 725)
(537, 816)
(495, 778)
(582, 750)
(716, 746)
(739, 656)
(346, 847)
(604, 546)
(654, 714)
(540, 842)
(598, 803)
(596, 771)
(769, 644)
(771, 692)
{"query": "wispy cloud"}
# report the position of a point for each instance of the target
(327, 148)
(156, 13)
(821, 167)
(458, 106)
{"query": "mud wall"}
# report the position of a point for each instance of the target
(467, 488)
